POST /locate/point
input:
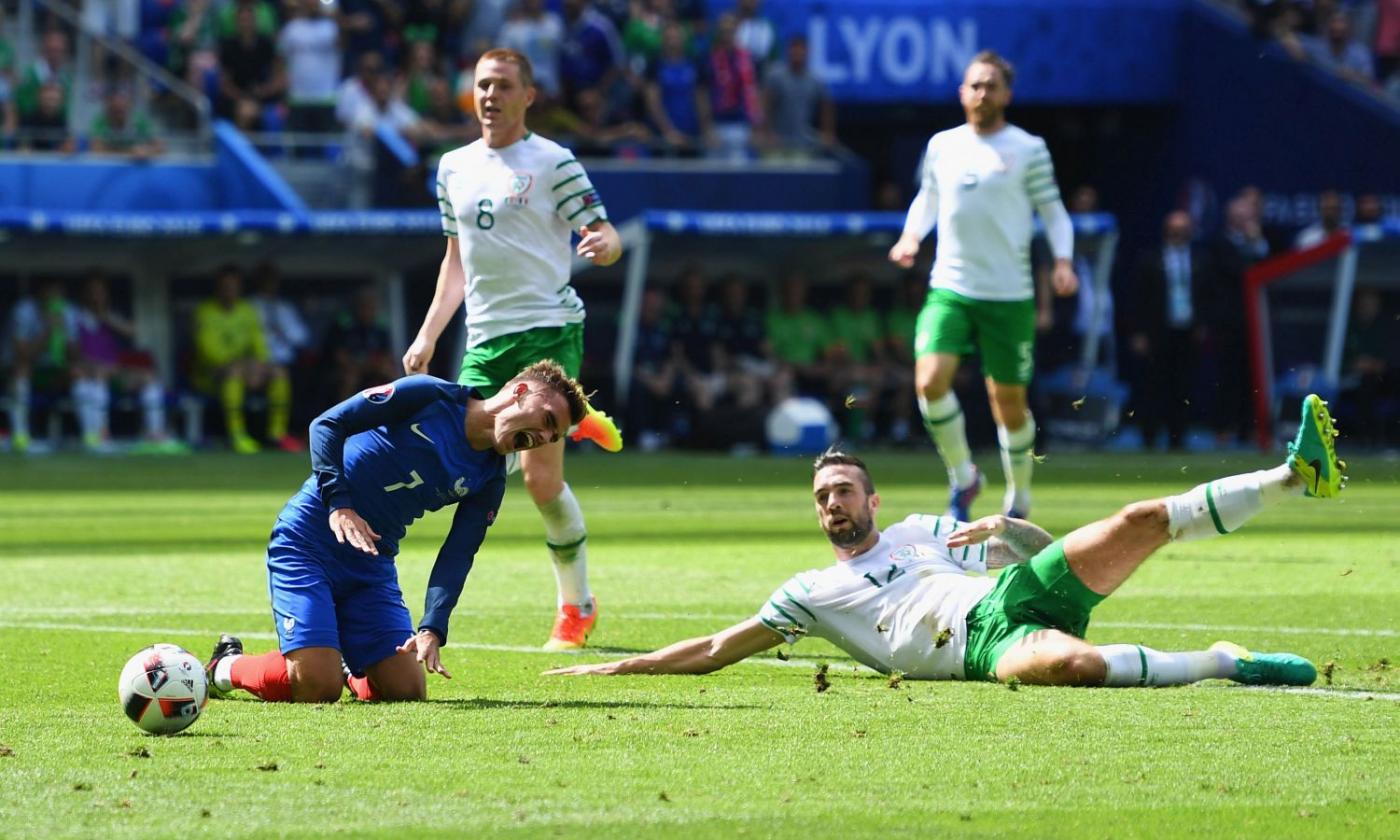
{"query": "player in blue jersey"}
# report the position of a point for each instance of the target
(380, 460)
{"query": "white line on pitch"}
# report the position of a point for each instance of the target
(1246, 628)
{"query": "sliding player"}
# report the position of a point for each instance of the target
(509, 202)
(379, 461)
(980, 182)
(903, 599)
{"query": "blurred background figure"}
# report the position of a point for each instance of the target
(231, 357)
(41, 335)
(358, 348)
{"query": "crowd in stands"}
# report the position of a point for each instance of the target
(1359, 40)
(639, 78)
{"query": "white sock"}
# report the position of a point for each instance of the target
(567, 539)
(943, 418)
(1223, 505)
(223, 673)
(1131, 665)
(153, 410)
(84, 405)
(101, 407)
(19, 408)
(1017, 449)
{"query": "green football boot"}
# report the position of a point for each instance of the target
(1312, 455)
(1268, 668)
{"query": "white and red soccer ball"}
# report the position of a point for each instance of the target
(163, 689)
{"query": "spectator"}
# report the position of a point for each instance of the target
(118, 131)
(901, 322)
(419, 75)
(445, 127)
(1328, 224)
(384, 110)
(855, 359)
(1243, 231)
(45, 129)
(600, 132)
(798, 335)
(483, 25)
(695, 333)
(754, 32)
(1240, 245)
(744, 355)
(1368, 209)
(54, 64)
(677, 101)
(283, 328)
(231, 356)
(108, 359)
(538, 34)
(251, 76)
(193, 39)
(1339, 53)
(641, 37)
(1370, 358)
(9, 114)
(358, 348)
(264, 14)
(310, 46)
(1387, 39)
(655, 406)
(370, 26)
(1167, 329)
(438, 21)
(801, 113)
(354, 93)
(734, 94)
(42, 329)
(591, 54)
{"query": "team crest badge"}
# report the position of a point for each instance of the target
(379, 394)
(520, 183)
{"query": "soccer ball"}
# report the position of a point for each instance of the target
(163, 689)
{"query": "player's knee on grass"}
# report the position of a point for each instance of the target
(398, 678)
(1063, 666)
(315, 675)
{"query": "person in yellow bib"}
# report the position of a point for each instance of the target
(231, 357)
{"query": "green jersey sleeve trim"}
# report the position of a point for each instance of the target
(567, 180)
(583, 209)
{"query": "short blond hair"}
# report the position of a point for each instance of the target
(527, 73)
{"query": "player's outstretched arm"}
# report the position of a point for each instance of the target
(447, 301)
(600, 243)
(692, 656)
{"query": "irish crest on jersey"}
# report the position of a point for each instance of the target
(520, 183)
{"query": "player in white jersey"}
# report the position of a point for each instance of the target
(911, 599)
(510, 202)
(980, 182)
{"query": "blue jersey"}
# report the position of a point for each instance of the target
(394, 452)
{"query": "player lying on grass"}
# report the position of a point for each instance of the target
(904, 600)
(379, 461)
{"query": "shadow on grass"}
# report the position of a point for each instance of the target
(487, 703)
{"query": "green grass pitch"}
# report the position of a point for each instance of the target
(102, 557)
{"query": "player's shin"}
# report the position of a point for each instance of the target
(1017, 462)
(1221, 506)
(568, 548)
(1134, 665)
(279, 402)
(153, 410)
(943, 418)
(231, 396)
(264, 676)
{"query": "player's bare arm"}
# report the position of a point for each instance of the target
(600, 243)
(1009, 541)
(693, 656)
(447, 302)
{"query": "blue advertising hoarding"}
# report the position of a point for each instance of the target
(1065, 51)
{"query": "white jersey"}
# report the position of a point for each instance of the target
(512, 210)
(984, 189)
(901, 606)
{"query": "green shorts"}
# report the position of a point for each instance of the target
(1036, 595)
(1001, 331)
(493, 363)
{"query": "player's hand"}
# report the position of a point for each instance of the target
(349, 527)
(1064, 280)
(601, 247)
(582, 670)
(904, 252)
(978, 531)
(420, 352)
(425, 645)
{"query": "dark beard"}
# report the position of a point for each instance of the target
(859, 530)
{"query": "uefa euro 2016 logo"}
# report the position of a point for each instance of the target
(520, 184)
